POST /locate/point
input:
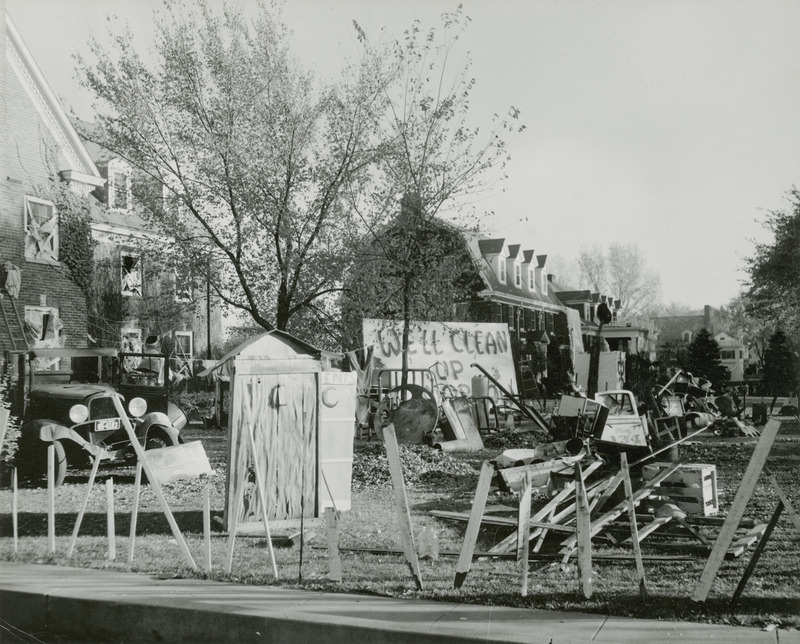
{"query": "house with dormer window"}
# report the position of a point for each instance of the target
(158, 295)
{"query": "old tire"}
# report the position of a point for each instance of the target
(155, 440)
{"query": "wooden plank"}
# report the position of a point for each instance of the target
(332, 532)
(743, 494)
(111, 555)
(15, 509)
(583, 533)
(82, 509)
(207, 524)
(787, 505)
(649, 529)
(508, 543)
(757, 554)
(612, 486)
(637, 551)
(401, 503)
(154, 485)
(474, 524)
(51, 499)
(137, 488)
(523, 533)
(621, 507)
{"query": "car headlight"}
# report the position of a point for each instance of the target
(137, 407)
(78, 413)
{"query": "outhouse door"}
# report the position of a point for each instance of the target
(280, 411)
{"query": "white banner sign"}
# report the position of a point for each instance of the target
(448, 349)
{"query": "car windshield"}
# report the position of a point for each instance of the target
(143, 370)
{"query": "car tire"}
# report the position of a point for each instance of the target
(155, 440)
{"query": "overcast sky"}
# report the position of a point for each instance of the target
(673, 125)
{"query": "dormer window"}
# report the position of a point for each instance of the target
(518, 275)
(501, 266)
(687, 337)
(532, 280)
(119, 186)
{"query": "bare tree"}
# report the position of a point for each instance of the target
(621, 271)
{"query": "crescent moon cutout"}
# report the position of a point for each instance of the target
(326, 397)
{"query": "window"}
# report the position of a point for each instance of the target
(131, 273)
(532, 279)
(540, 322)
(41, 230)
(42, 328)
(551, 322)
(687, 336)
(183, 355)
(119, 191)
(131, 340)
(501, 265)
(544, 283)
(517, 275)
(727, 354)
(183, 285)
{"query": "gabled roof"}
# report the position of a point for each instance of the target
(491, 246)
(574, 296)
(81, 167)
(527, 256)
(541, 261)
(513, 251)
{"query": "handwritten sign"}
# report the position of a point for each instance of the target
(447, 349)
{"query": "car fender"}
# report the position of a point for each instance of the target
(160, 419)
(50, 430)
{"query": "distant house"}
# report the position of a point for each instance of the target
(40, 153)
(152, 294)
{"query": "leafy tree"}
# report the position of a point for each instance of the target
(241, 157)
(434, 158)
(774, 269)
(703, 360)
(735, 319)
(621, 270)
(781, 376)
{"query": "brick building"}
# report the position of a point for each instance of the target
(40, 153)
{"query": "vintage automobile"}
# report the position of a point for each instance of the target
(75, 412)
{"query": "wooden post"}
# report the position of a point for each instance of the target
(14, 509)
(637, 550)
(474, 524)
(735, 514)
(154, 484)
(51, 499)
(757, 554)
(523, 532)
(237, 503)
(401, 503)
(82, 509)
(583, 527)
(137, 486)
(334, 559)
(110, 528)
(207, 524)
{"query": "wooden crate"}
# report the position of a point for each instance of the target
(692, 487)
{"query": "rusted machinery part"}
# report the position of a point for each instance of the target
(411, 408)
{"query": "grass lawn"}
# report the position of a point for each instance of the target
(772, 596)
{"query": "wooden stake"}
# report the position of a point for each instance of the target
(474, 524)
(787, 505)
(237, 503)
(757, 554)
(82, 510)
(334, 559)
(743, 494)
(110, 528)
(523, 532)
(137, 487)
(154, 484)
(207, 523)
(637, 551)
(15, 509)
(51, 498)
(401, 503)
(583, 533)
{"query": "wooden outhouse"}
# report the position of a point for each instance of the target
(290, 402)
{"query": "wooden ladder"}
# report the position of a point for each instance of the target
(15, 331)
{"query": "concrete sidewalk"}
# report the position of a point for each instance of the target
(127, 607)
